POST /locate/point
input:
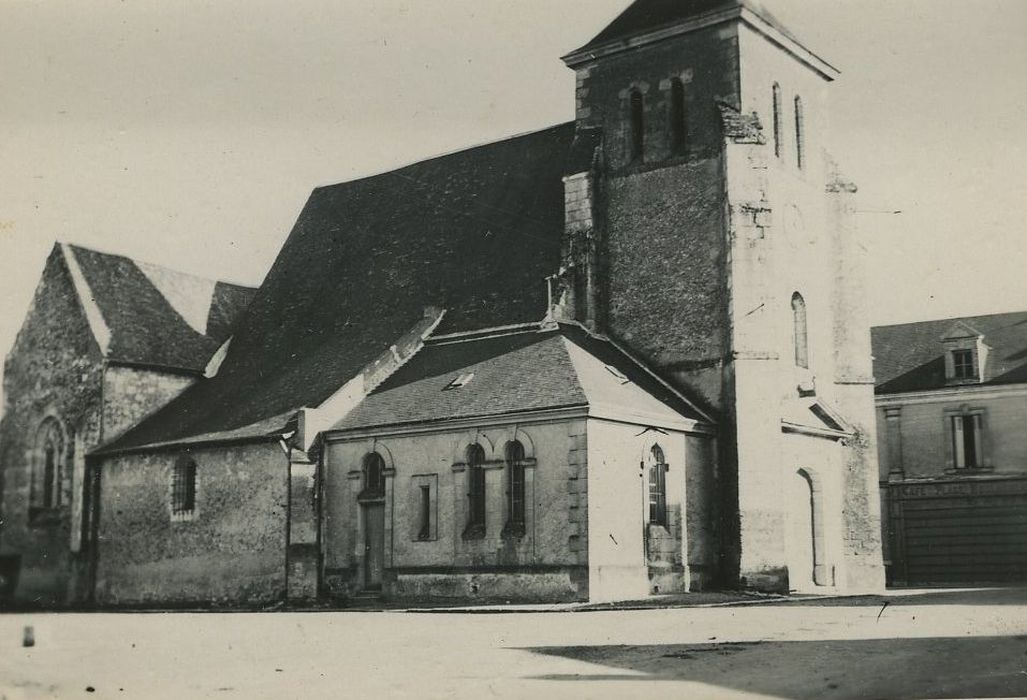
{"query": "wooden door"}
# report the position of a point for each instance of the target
(374, 544)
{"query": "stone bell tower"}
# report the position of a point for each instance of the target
(709, 232)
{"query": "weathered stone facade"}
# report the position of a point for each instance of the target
(55, 370)
(231, 550)
(693, 403)
(62, 378)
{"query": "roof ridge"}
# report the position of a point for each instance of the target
(137, 261)
(447, 154)
(950, 319)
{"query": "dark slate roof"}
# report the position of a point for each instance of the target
(644, 16)
(145, 327)
(475, 232)
(512, 374)
(911, 357)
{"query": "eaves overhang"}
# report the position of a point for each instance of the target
(587, 54)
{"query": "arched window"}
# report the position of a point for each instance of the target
(476, 487)
(637, 125)
(678, 117)
(799, 331)
(777, 120)
(183, 486)
(515, 485)
(800, 134)
(47, 467)
(374, 476)
(657, 487)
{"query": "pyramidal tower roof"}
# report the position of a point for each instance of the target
(645, 17)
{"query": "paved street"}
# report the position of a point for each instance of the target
(935, 644)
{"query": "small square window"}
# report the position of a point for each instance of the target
(963, 364)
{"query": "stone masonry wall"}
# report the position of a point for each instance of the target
(132, 393)
(230, 552)
(54, 369)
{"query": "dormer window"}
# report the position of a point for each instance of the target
(966, 354)
(963, 364)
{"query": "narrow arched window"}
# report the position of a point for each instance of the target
(799, 331)
(515, 484)
(183, 486)
(637, 117)
(475, 486)
(657, 487)
(48, 467)
(800, 134)
(374, 476)
(678, 117)
(777, 120)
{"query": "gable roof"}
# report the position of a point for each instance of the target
(515, 373)
(911, 356)
(643, 16)
(475, 232)
(150, 315)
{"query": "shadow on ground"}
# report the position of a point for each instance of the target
(966, 596)
(881, 669)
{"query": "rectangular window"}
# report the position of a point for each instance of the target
(424, 532)
(963, 364)
(967, 442)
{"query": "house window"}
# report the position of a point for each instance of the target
(183, 487)
(47, 468)
(476, 489)
(657, 487)
(424, 531)
(800, 134)
(967, 441)
(678, 117)
(515, 486)
(963, 364)
(637, 117)
(799, 331)
(374, 476)
(777, 120)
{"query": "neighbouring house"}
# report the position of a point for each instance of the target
(951, 404)
(623, 355)
(107, 341)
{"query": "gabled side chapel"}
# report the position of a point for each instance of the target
(624, 355)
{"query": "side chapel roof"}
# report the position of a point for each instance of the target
(518, 372)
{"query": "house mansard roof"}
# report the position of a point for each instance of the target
(911, 356)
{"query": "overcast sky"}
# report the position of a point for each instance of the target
(189, 133)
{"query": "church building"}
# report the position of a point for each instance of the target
(620, 356)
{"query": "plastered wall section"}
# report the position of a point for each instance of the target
(231, 551)
(53, 370)
(132, 393)
(546, 563)
(924, 445)
(812, 481)
(630, 557)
